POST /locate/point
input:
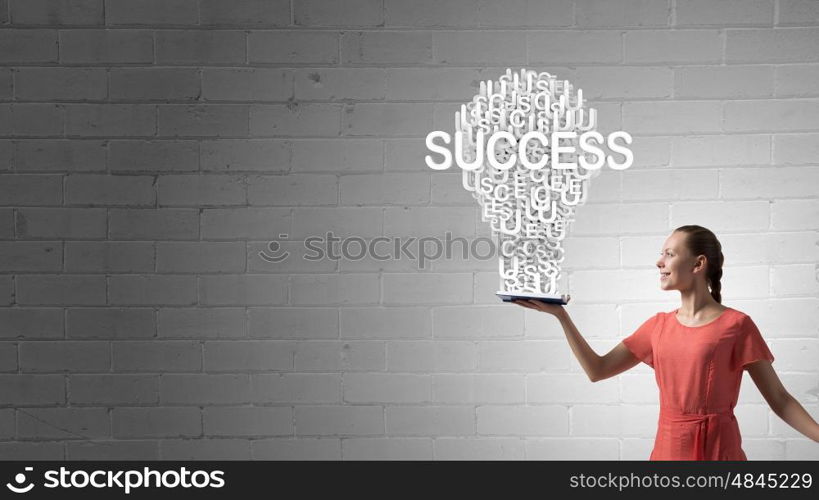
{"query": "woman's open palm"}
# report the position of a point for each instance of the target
(537, 305)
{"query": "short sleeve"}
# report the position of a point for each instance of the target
(749, 345)
(641, 341)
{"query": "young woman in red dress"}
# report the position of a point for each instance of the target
(698, 352)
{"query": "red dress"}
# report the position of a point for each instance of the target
(698, 371)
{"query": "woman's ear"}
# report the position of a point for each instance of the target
(700, 264)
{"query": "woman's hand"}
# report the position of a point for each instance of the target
(553, 309)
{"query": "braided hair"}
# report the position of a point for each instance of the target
(701, 241)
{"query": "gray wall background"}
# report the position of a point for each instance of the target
(151, 148)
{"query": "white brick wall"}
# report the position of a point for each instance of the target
(150, 150)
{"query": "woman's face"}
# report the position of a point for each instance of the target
(675, 264)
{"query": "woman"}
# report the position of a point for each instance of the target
(698, 352)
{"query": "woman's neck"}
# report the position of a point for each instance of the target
(698, 306)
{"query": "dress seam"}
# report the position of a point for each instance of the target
(709, 379)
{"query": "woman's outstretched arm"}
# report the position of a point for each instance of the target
(597, 367)
(781, 402)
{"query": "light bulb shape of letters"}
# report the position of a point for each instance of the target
(523, 145)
